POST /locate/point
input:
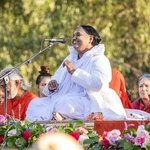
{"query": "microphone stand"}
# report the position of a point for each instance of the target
(5, 77)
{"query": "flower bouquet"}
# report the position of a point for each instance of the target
(21, 135)
(17, 134)
(130, 139)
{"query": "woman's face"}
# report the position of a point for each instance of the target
(82, 41)
(144, 88)
(41, 85)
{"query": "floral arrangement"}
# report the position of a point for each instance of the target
(21, 135)
(17, 134)
(130, 139)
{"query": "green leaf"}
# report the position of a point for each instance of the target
(60, 129)
(131, 130)
(96, 148)
(128, 146)
(69, 129)
(21, 142)
(10, 142)
(148, 127)
(121, 143)
(91, 135)
(19, 128)
(148, 147)
(8, 129)
(77, 123)
(90, 141)
(137, 148)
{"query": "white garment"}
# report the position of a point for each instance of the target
(136, 114)
(85, 91)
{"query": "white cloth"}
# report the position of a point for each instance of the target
(135, 114)
(85, 91)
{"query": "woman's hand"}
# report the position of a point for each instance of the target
(95, 116)
(69, 65)
(52, 85)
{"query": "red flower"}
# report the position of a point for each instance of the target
(1, 139)
(26, 135)
(76, 135)
(105, 142)
(105, 133)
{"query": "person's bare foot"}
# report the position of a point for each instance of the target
(95, 116)
(57, 116)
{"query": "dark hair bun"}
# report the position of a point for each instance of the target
(44, 70)
(92, 31)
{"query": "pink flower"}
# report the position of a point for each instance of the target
(26, 135)
(113, 136)
(144, 133)
(139, 140)
(82, 130)
(2, 119)
(114, 133)
(76, 135)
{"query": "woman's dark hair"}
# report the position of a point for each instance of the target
(91, 31)
(44, 72)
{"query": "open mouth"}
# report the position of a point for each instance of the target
(75, 43)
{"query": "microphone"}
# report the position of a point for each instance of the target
(60, 40)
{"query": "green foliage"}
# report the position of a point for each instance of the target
(123, 25)
(71, 126)
(22, 135)
(120, 141)
(148, 127)
(19, 134)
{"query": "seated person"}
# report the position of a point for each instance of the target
(118, 85)
(143, 103)
(42, 80)
(80, 86)
(1, 95)
(18, 96)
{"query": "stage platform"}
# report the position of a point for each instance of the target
(103, 125)
(108, 125)
(89, 123)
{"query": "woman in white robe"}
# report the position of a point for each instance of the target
(81, 84)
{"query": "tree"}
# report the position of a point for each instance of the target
(123, 26)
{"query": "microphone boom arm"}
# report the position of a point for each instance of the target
(24, 62)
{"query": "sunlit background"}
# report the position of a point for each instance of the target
(124, 27)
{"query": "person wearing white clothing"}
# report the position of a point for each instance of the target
(80, 86)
